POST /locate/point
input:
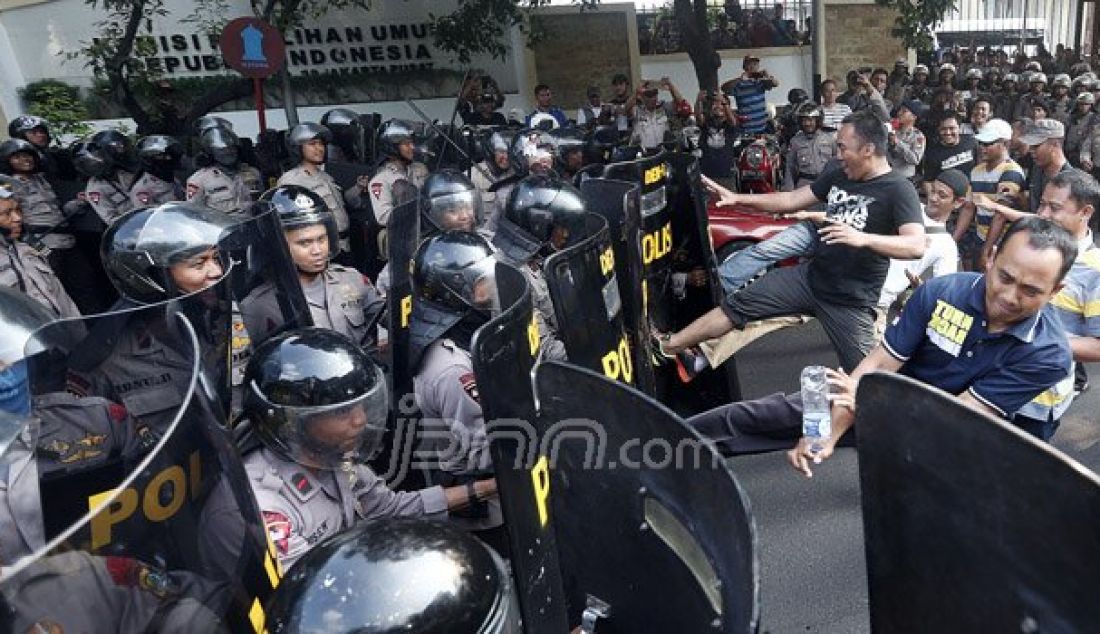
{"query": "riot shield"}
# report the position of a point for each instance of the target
(404, 236)
(969, 523)
(503, 353)
(148, 525)
(654, 534)
(617, 202)
(588, 304)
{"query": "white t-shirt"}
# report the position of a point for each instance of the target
(941, 255)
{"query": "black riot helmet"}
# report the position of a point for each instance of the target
(600, 144)
(347, 131)
(139, 249)
(532, 152)
(14, 146)
(543, 215)
(204, 123)
(314, 397)
(450, 202)
(796, 96)
(300, 207)
(496, 145)
(568, 149)
(160, 155)
(21, 125)
(397, 575)
(102, 153)
(221, 146)
(456, 270)
(392, 134)
(304, 133)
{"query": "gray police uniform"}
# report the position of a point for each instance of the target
(302, 508)
(452, 425)
(381, 186)
(338, 299)
(142, 373)
(26, 270)
(150, 190)
(110, 198)
(21, 528)
(550, 347)
(1061, 109)
(807, 155)
(1078, 130)
(220, 189)
(42, 211)
(320, 183)
(483, 179)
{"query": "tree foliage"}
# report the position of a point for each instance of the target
(481, 27)
(917, 19)
(60, 104)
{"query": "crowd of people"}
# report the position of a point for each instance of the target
(978, 178)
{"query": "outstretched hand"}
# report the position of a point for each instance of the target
(726, 198)
(836, 232)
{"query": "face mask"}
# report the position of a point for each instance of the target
(15, 394)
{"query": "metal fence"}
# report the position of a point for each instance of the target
(731, 24)
(1009, 23)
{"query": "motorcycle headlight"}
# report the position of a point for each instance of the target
(755, 156)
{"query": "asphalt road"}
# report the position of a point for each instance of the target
(810, 532)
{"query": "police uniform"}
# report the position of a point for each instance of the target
(150, 190)
(452, 426)
(381, 186)
(651, 126)
(1061, 109)
(110, 198)
(807, 155)
(482, 177)
(220, 189)
(338, 300)
(21, 528)
(42, 211)
(302, 507)
(1078, 129)
(322, 184)
(78, 592)
(147, 376)
(26, 270)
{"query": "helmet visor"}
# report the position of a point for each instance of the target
(476, 284)
(458, 211)
(330, 436)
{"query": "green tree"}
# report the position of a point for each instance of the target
(59, 103)
(917, 19)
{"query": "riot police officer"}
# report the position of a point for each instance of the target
(318, 405)
(532, 152)
(224, 182)
(340, 298)
(543, 215)
(568, 151)
(1061, 103)
(105, 159)
(348, 144)
(160, 157)
(395, 142)
(381, 561)
(454, 294)
(307, 143)
(810, 149)
(57, 165)
(495, 167)
(23, 268)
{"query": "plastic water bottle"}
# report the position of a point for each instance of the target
(817, 419)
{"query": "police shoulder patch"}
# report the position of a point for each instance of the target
(469, 384)
(376, 189)
(279, 530)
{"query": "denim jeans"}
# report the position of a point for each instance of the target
(794, 241)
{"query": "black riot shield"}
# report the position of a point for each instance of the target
(617, 201)
(503, 352)
(404, 236)
(588, 303)
(969, 523)
(654, 532)
(147, 523)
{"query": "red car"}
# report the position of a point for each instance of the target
(732, 230)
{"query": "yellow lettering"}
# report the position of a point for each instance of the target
(657, 244)
(611, 365)
(607, 261)
(533, 335)
(257, 617)
(617, 363)
(123, 507)
(654, 174)
(406, 310)
(540, 478)
(177, 490)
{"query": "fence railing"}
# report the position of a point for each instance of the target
(731, 24)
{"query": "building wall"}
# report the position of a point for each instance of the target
(792, 66)
(857, 34)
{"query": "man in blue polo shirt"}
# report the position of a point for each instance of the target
(990, 339)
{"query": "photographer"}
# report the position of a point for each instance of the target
(652, 117)
(862, 94)
(748, 90)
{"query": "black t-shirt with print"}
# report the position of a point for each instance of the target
(845, 275)
(718, 155)
(938, 158)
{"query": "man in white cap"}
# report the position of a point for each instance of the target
(997, 176)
